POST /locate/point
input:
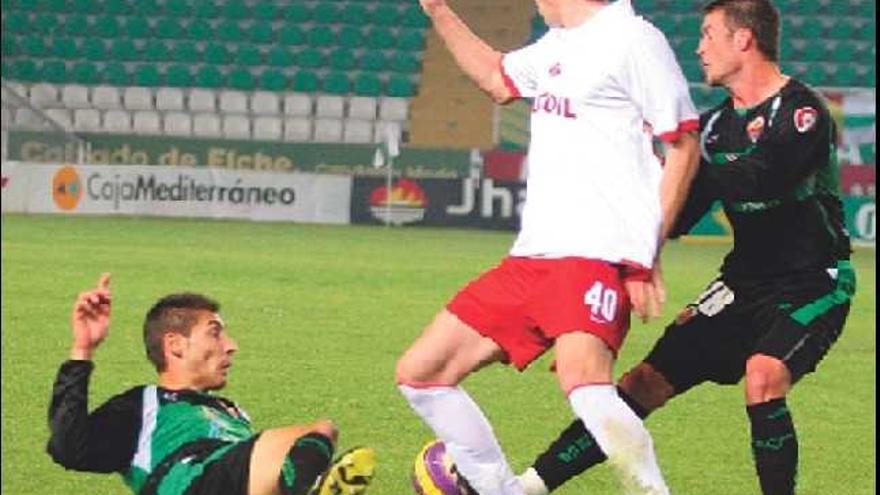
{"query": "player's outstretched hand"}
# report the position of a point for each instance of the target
(90, 319)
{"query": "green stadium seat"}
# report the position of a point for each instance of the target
(273, 80)
(76, 25)
(350, 37)
(297, 13)
(241, 79)
(45, 24)
(169, 28)
(386, 15)
(280, 56)
(16, 22)
(812, 30)
(156, 51)
(229, 31)
(117, 7)
(292, 36)
(842, 28)
(178, 76)
(147, 8)
(869, 32)
(34, 46)
(341, 59)
(90, 7)
(24, 69)
(236, 9)
(414, 17)
(178, 8)
(261, 32)
(692, 69)
(147, 75)
(62, 47)
(106, 27)
(327, 13)
(380, 38)
(412, 40)
(85, 73)
(844, 75)
(367, 84)
(667, 24)
(53, 71)
(94, 49)
(321, 36)
(682, 7)
(266, 11)
(115, 74)
(200, 30)
(216, 53)
(401, 87)
(310, 58)
(248, 55)
(405, 62)
(814, 50)
(206, 10)
(305, 81)
(186, 52)
(374, 61)
(336, 83)
(209, 76)
(846, 51)
(137, 27)
(57, 6)
(124, 50)
(11, 48)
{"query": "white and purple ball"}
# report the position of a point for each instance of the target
(433, 472)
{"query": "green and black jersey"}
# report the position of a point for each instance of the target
(774, 168)
(144, 433)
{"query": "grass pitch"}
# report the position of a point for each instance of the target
(321, 314)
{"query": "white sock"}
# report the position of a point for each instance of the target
(532, 484)
(622, 437)
(458, 421)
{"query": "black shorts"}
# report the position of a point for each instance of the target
(795, 319)
(229, 474)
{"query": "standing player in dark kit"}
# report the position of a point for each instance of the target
(768, 153)
(176, 438)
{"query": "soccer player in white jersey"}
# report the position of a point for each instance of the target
(604, 82)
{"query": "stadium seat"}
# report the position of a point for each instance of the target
(386, 15)
(328, 130)
(181, 124)
(265, 103)
(327, 12)
(396, 109)
(106, 27)
(124, 50)
(236, 9)
(405, 62)
(45, 24)
(206, 10)
(321, 37)
(137, 27)
(53, 71)
(380, 39)
(336, 83)
(367, 84)
(267, 128)
(85, 6)
(145, 8)
(330, 106)
(169, 99)
(350, 37)
(178, 76)
(16, 22)
(147, 75)
(357, 131)
(146, 122)
(342, 59)
(266, 11)
(292, 36)
(23, 69)
(209, 76)
(305, 81)
(413, 17)
(117, 7)
(297, 13)
(75, 25)
(202, 100)
(186, 52)
(75, 96)
(168, 28)
(60, 116)
(248, 55)
(117, 121)
(273, 80)
(106, 97)
(362, 107)
(297, 129)
(10, 46)
(412, 40)
(116, 74)
(241, 79)
(200, 29)
(178, 8)
(229, 31)
(298, 104)
(401, 86)
(261, 32)
(137, 98)
(236, 127)
(34, 46)
(374, 60)
(156, 51)
(233, 102)
(43, 95)
(86, 120)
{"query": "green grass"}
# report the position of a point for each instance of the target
(321, 314)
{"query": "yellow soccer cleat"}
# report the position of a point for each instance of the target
(350, 473)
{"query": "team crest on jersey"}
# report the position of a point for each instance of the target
(805, 118)
(755, 128)
(555, 69)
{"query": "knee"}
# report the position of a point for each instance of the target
(647, 386)
(767, 378)
(326, 428)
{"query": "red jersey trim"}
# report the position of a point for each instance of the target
(683, 127)
(508, 82)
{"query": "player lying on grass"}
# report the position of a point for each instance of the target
(784, 291)
(176, 438)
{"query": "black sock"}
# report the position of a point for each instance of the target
(575, 450)
(306, 461)
(774, 446)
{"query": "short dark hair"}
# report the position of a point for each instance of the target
(758, 16)
(173, 313)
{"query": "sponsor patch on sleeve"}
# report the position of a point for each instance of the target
(805, 119)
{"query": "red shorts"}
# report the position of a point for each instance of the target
(523, 304)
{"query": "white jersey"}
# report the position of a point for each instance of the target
(600, 89)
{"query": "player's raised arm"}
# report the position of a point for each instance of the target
(90, 320)
(477, 59)
(679, 170)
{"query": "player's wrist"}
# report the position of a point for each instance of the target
(78, 353)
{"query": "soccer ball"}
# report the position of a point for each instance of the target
(435, 474)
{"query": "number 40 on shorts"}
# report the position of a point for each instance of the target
(602, 301)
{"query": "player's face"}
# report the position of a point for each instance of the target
(716, 49)
(208, 352)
